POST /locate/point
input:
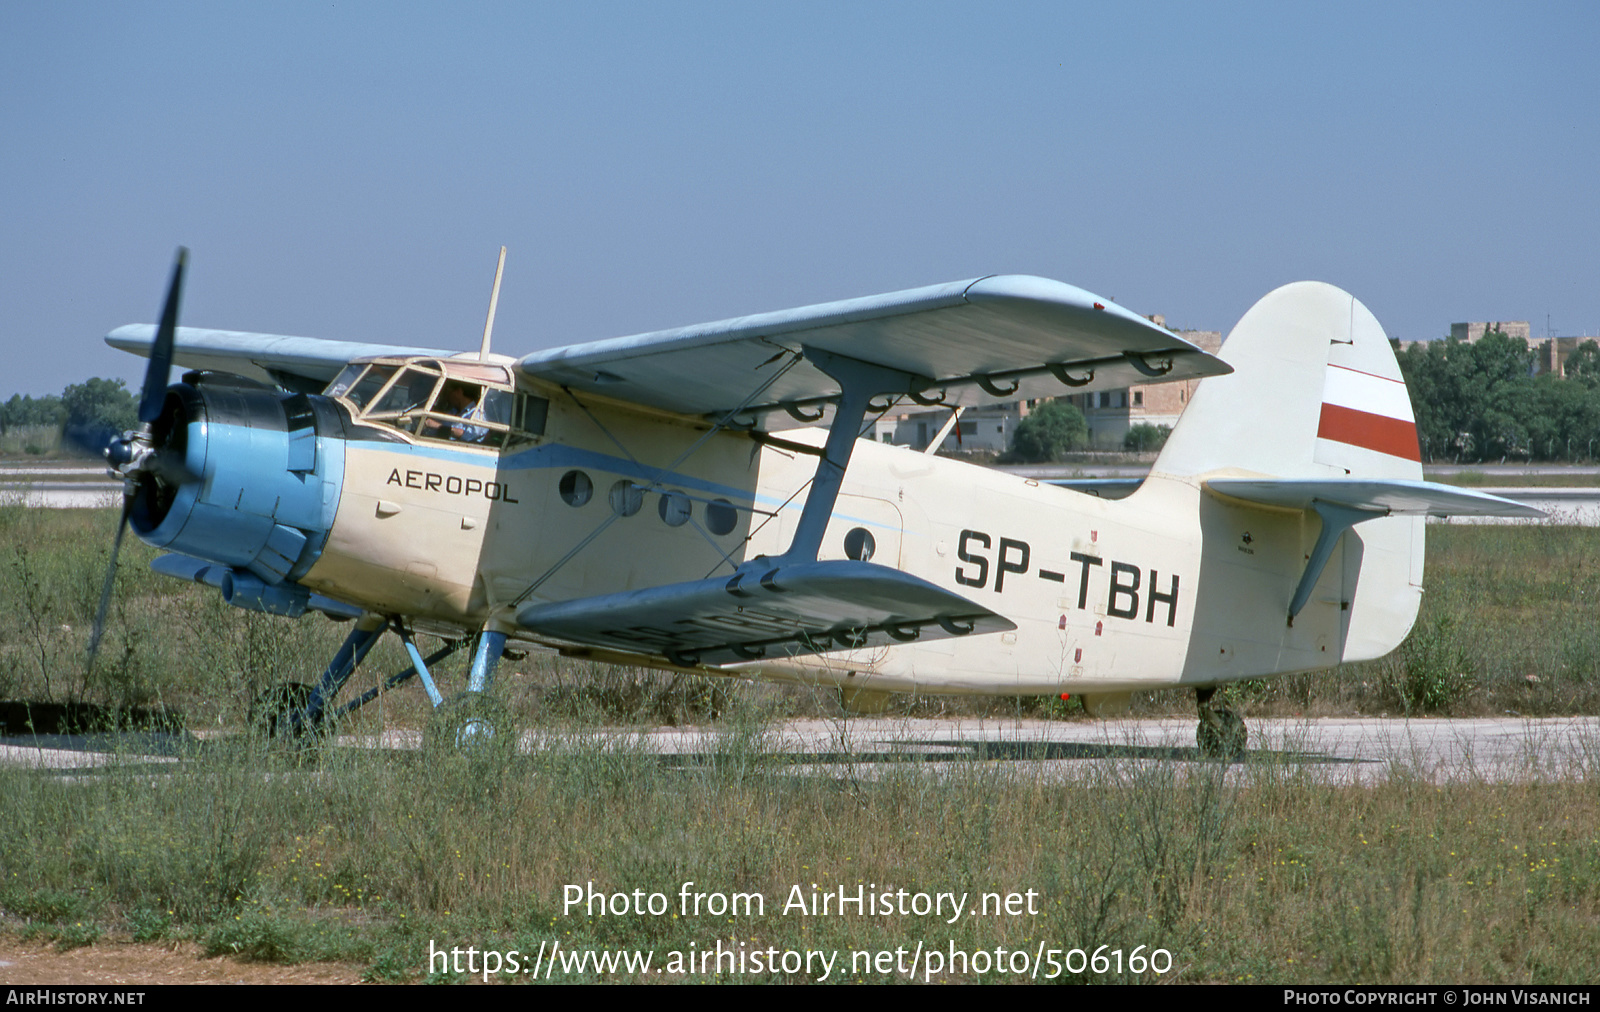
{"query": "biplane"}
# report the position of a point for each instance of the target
(636, 500)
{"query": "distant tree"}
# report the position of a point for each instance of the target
(1144, 437)
(1584, 363)
(1474, 401)
(1053, 428)
(22, 411)
(100, 404)
(1502, 358)
(96, 410)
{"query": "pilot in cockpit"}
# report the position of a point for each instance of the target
(463, 400)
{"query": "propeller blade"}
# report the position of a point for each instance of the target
(105, 590)
(90, 440)
(160, 368)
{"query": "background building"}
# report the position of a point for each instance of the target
(1550, 353)
(1110, 413)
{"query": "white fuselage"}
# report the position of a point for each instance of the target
(1170, 585)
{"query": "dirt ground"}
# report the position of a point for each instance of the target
(135, 963)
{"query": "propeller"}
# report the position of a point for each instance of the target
(134, 456)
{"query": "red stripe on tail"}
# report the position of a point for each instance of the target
(1393, 436)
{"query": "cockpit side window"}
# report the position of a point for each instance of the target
(413, 391)
(457, 413)
(497, 405)
(342, 382)
(529, 414)
(368, 386)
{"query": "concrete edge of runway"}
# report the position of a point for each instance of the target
(1341, 750)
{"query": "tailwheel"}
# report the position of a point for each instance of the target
(279, 712)
(470, 725)
(1222, 733)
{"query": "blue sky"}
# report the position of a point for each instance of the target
(350, 170)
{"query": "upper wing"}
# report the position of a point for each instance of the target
(1005, 336)
(1000, 337)
(295, 362)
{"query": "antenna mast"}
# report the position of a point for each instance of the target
(494, 302)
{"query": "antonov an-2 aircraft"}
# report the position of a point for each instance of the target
(628, 501)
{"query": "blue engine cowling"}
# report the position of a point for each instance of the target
(270, 466)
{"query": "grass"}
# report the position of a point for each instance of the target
(1269, 875)
(1511, 479)
(31, 442)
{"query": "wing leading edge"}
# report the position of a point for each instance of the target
(995, 338)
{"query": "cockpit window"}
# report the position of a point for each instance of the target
(529, 413)
(369, 385)
(462, 402)
(412, 391)
(341, 383)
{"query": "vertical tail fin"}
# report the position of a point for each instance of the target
(1316, 392)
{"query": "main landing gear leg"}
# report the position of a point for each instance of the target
(369, 629)
(490, 646)
(473, 723)
(1221, 734)
(296, 708)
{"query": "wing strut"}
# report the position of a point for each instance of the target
(859, 382)
(950, 423)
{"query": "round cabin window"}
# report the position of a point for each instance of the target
(576, 489)
(626, 498)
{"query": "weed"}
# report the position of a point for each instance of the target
(77, 935)
(148, 924)
(1433, 669)
(256, 938)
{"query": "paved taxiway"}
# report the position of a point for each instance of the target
(59, 485)
(1334, 750)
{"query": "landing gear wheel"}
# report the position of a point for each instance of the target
(277, 712)
(473, 726)
(1221, 734)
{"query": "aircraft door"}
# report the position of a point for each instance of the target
(866, 530)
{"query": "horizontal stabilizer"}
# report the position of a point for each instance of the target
(1005, 337)
(802, 608)
(1387, 497)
